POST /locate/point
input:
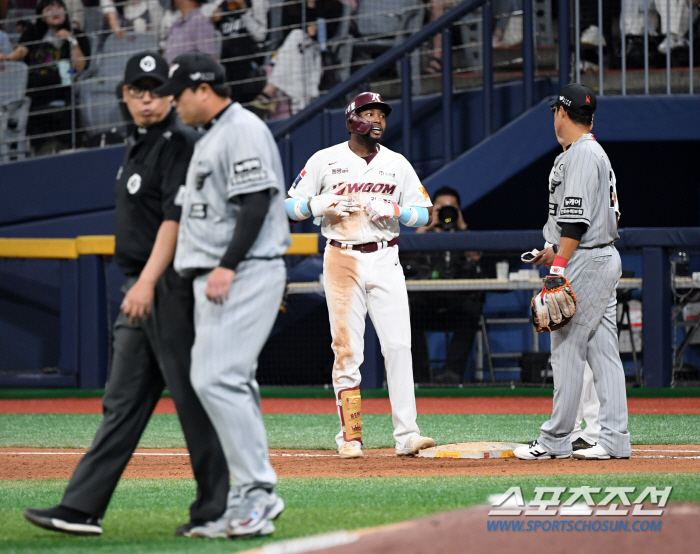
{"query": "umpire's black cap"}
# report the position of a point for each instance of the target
(191, 70)
(146, 65)
(576, 98)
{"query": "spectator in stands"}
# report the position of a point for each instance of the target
(449, 311)
(5, 44)
(139, 16)
(52, 48)
(296, 73)
(633, 17)
(502, 10)
(678, 25)
(243, 26)
(191, 31)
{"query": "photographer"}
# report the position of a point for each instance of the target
(448, 311)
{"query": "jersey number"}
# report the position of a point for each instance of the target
(614, 205)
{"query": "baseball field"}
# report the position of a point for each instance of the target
(42, 438)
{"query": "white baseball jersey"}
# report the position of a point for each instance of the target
(582, 189)
(338, 170)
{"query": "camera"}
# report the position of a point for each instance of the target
(448, 217)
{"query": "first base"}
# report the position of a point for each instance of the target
(472, 450)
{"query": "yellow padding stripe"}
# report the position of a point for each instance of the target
(96, 244)
(38, 248)
(303, 244)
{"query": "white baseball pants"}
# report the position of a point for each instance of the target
(357, 283)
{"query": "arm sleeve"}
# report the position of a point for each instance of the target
(177, 161)
(254, 207)
(414, 194)
(573, 230)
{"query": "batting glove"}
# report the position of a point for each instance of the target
(378, 208)
(332, 204)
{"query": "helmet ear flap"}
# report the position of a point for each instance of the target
(355, 124)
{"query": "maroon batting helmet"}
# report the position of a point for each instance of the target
(354, 122)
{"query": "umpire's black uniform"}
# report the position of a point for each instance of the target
(155, 353)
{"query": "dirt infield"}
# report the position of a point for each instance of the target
(467, 531)
(37, 463)
(489, 405)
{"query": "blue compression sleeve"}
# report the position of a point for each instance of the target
(415, 216)
(297, 209)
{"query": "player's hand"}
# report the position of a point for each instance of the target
(138, 301)
(544, 257)
(378, 208)
(62, 33)
(332, 204)
(219, 284)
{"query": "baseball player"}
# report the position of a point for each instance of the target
(360, 191)
(233, 233)
(154, 331)
(580, 231)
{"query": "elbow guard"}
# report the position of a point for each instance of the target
(297, 210)
(415, 216)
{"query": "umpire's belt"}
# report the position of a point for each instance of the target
(366, 247)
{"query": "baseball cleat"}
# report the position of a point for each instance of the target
(580, 444)
(65, 520)
(596, 452)
(535, 451)
(350, 449)
(255, 515)
(415, 444)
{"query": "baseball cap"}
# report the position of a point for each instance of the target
(191, 70)
(146, 65)
(576, 98)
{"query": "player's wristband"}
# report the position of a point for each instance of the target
(297, 209)
(558, 266)
(415, 216)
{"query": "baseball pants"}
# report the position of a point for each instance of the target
(588, 410)
(358, 283)
(228, 341)
(147, 357)
(591, 336)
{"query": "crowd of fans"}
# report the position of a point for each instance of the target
(277, 65)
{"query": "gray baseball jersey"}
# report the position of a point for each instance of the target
(582, 189)
(238, 155)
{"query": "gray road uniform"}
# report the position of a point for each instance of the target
(582, 190)
(237, 156)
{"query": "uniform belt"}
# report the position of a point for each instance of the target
(597, 246)
(366, 247)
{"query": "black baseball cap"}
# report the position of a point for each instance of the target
(191, 70)
(146, 65)
(576, 98)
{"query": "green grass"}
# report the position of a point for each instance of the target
(144, 512)
(320, 392)
(311, 431)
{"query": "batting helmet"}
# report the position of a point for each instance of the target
(354, 122)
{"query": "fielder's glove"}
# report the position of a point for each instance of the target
(332, 204)
(555, 306)
(378, 208)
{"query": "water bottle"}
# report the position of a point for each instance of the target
(321, 33)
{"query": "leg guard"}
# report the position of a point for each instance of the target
(350, 405)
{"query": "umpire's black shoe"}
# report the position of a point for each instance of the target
(580, 444)
(65, 520)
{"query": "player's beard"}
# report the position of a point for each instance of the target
(369, 140)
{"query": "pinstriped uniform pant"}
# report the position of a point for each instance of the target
(591, 336)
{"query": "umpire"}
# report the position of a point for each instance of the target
(154, 332)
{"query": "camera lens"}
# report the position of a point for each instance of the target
(448, 216)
